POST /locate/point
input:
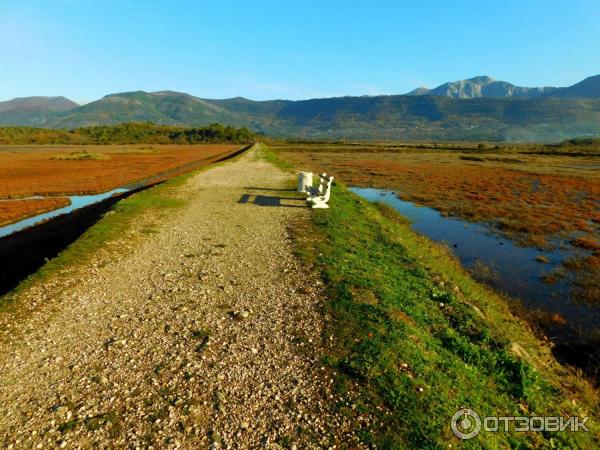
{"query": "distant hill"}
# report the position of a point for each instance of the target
(588, 88)
(419, 91)
(166, 107)
(400, 117)
(482, 86)
(33, 110)
(479, 108)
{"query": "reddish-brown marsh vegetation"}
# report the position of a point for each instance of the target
(13, 210)
(526, 202)
(27, 171)
(82, 170)
(532, 198)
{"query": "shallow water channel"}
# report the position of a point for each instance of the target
(513, 269)
(77, 201)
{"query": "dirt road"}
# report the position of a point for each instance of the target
(207, 333)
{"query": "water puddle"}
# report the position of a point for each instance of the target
(507, 267)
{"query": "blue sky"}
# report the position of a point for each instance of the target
(84, 49)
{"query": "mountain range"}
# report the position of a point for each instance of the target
(479, 108)
(33, 110)
(484, 86)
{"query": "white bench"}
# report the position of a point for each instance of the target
(319, 196)
(318, 190)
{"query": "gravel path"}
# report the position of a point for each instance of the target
(204, 334)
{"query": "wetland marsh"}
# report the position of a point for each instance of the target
(524, 220)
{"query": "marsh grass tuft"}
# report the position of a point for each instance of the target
(81, 156)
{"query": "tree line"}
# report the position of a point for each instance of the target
(128, 133)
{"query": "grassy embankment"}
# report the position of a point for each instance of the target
(420, 339)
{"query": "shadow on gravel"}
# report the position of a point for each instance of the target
(268, 200)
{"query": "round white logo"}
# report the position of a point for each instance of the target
(465, 424)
